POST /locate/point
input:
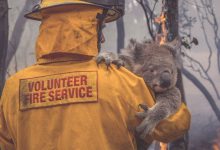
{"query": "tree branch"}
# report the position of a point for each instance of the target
(146, 11)
(17, 33)
(202, 70)
(204, 91)
(205, 36)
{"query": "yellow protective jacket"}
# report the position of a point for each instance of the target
(67, 102)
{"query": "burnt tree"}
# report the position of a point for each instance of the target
(121, 34)
(3, 40)
(173, 32)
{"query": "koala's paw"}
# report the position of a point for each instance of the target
(119, 63)
(142, 115)
(102, 58)
(144, 107)
(145, 128)
(109, 58)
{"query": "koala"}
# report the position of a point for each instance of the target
(157, 65)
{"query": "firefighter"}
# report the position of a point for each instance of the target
(65, 101)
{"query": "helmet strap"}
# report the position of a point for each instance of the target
(101, 19)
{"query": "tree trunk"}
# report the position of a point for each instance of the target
(3, 40)
(204, 91)
(172, 16)
(121, 34)
(17, 33)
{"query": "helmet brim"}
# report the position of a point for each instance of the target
(112, 15)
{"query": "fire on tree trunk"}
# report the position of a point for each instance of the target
(172, 19)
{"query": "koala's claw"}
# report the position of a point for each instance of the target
(144, 107)
(144, 114)
(99, 59)
(109, 58)
(119, 63)
(107, 62)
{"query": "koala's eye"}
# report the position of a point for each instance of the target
(168, 71)
(150, 68)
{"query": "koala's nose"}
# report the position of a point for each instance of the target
(165, 79)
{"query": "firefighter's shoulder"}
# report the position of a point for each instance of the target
(12, 83)
(121, 73)
(23, 73)
(126, 83)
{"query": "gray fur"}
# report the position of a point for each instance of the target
(158, 67)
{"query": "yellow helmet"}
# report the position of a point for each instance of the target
(115, 8)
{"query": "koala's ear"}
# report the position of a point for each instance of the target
(135, 49)
(173, 46)
(132, 44)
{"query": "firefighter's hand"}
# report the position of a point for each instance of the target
(109, 58)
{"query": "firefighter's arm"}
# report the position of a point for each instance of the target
(173, 127)
(6, 142)
(169, 129)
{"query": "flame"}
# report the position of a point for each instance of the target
(163, 146)
(215, 147)
(216, 141)
(162, 20)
